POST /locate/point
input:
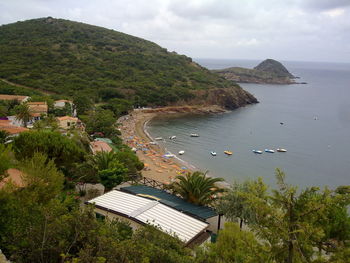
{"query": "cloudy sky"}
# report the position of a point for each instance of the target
(306, 30)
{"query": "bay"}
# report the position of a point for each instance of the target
(315, 130)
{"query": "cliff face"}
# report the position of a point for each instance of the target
(267, 72)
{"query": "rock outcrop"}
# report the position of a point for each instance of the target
(267, 72)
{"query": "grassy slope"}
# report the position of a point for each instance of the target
(67, 57)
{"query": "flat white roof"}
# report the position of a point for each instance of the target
(151, 212)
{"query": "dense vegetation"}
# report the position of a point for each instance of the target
(67, 58)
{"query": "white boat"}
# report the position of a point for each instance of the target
(213, 153)
(194, 135)
(153, 143)
(257, 151)
(181, 152)
(172, 137)
(168, 155)
(269, 150)
(158, 138)
(281, 150)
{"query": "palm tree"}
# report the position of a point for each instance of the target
(104, 160)
(23, 114)
(197, 188)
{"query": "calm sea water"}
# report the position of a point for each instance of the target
(316, 130)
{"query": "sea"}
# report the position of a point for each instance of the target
(311, 121)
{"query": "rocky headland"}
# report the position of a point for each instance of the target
(267, 72)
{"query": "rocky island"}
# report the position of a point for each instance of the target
(267, 72)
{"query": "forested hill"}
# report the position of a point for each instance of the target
(67, 58)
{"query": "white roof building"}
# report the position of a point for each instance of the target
(145, 211)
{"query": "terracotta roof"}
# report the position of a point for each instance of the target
(13, 129)
(67, 118)
(15, 176)
(5, 125)
(36, 103)
(98, 146)
(37, 108)
(12, 97)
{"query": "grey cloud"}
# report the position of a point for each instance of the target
(324, 4)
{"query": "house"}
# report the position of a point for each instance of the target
(62, 103)
(203, 213)
(14, 176)
(19, 98)
(68, 122)
(139, 211)
(13, 130)
(37, 109)
(100, 146)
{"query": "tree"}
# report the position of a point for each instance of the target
(113, 176)
(82, 104)
(23, 113)
(3, 136)
(197, 188)
(130, 160)
(288, 221)
(234, 245)
(232, 203)
(5, 159)
(56, 146)
(101, 121)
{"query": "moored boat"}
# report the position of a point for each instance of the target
(158, 138)
(228, 152)
(281, 150)
(269, 150)
(257, 151)
(194, 135)
(181, 152)
(213, 153)
(172, 137)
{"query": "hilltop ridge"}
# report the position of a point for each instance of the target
(65, 57)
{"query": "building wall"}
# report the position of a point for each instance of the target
(213, 223)
(64, 124)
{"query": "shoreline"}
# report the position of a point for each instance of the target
(135, 135)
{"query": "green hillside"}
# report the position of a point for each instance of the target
(65, 57)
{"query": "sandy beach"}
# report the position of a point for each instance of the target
(157, 166)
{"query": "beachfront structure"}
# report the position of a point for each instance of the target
(99, 146)
(37, 109)
(9, 127)
(203, 213)
(19, 98)
(139, 211)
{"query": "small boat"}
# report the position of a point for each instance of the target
(269, 150)
(281, 123)
(168, 155)
(228, 152)
(257, 152)
(281, 150)
(172, 137)
(213, 153)
(153, 143)
(158, 138)
(181, 152)
(194, 135)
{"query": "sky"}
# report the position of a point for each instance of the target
(297, 30)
